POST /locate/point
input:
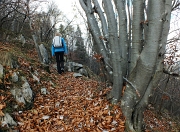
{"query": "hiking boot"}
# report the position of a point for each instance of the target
(60, 72)
(62, 69)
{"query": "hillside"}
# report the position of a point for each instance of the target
(69, 103)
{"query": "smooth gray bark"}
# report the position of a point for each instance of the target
(115, 51)
(96, 33)
(137, 38)
(148, 46)
(149, 60)
(159, 66)
(102, 18)
(123, 36)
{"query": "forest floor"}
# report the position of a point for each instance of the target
(73, 104)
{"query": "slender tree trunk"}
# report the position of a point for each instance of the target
(96, 34)
(31, 28)
(146, 50)
(35, 42)
(115, 51)
(123, 36)
(132, 105)
(137, 31)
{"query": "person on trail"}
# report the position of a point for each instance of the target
(59, 49)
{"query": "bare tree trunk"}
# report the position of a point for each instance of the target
(137, 31)
(35, 42)
(134, 120)
(123, 35)
(31, 28)
(146, 52)
(96, 34)
(115, 51)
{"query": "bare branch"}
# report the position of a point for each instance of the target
(137, 92)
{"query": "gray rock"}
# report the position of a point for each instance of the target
(44, 54)
(14, 77)
(23, 94)
(73, 67)
(35, 78)
(23, 79)
(43, 91)
(1, 71)
(17, 93)
(27, 92)
(77, 75)
(83, 72)
(8, 120)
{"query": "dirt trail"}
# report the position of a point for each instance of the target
(74, 105)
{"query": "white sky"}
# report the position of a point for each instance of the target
(69, 9)
(66, 6)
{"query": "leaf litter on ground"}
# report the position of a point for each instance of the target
(71, 104)
(74, 104)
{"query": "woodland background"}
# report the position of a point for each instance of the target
(23, 29)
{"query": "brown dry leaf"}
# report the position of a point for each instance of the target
(35, 112)
(2, 105)
(81, 107)
(2, 98)
(1, 113)
(1, 81)
(109, 119)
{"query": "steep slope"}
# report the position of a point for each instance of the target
(67, 104)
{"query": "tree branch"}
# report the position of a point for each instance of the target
(137, 92)
(171, 73)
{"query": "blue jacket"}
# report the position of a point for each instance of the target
(59, 49)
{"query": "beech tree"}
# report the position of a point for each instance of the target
(130, 36)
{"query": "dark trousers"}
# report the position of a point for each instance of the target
(60, 61)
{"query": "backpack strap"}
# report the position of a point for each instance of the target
(59, 39)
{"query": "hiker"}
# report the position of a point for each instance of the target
(59, 49)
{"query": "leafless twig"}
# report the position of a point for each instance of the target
(137, 92)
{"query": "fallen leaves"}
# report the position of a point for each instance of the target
(2, 105)
(71, 104)
(74, 105)
(1, 98)
(157, 123)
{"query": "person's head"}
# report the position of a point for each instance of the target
(57, 34)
